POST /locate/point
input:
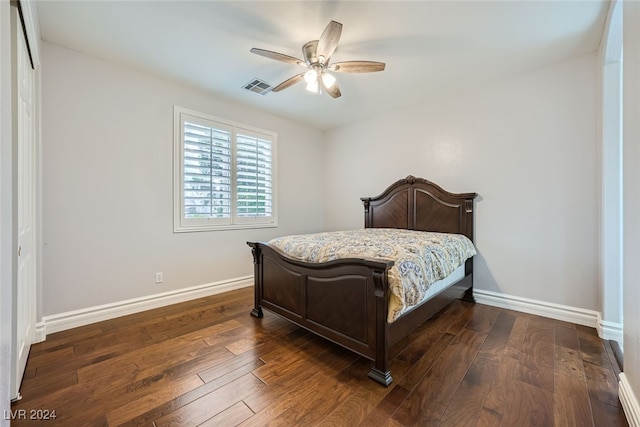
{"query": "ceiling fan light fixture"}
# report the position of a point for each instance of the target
(311, 76)
(328, 80)
(313, 86)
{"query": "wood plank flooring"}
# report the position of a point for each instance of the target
(208, 363)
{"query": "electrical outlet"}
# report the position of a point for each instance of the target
(159, 277)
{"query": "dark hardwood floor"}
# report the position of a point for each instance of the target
(207, 362)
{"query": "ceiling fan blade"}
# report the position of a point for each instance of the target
(277, 56)
(357, 66)
(289, 82)
(334, 90)
(329, 39)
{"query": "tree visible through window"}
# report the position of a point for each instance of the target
(226, 174)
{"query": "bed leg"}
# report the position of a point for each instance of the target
(383, 377)
(257, 280)
(468, 296)
(468, 272)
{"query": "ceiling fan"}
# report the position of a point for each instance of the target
(317, 56)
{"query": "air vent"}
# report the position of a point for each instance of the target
(258, 86)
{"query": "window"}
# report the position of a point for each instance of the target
(224, 174)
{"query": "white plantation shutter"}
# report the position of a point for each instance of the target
(225, 174)
(253, 175)
(207, 171)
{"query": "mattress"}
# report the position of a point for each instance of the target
(423, 261)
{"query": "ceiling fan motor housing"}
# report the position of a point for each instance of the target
(309, 52)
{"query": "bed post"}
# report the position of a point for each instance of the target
(257, 280)
(468, 265)
(380, 371)
(367, 220)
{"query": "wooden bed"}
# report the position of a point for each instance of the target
(346, 300)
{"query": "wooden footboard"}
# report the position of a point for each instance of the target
(344, 301)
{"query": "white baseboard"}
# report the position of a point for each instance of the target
(610, 330)
(565, 313)
(41, 333)
(73, 319)
(629, 402)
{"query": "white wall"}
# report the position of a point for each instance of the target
(526, 145)
(610, 176)
(6, 242)
(107, 185)
(631, 138)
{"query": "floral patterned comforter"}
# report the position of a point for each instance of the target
(421, 258)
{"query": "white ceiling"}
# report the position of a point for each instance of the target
(428, 46)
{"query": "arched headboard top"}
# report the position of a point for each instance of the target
(418, 204)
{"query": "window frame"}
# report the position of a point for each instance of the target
(182, 224)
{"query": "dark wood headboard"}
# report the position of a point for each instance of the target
(417, 204)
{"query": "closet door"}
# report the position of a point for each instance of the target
(25, 212)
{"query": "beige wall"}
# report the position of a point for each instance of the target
(631, 138)
(526, 145)
(107, 185)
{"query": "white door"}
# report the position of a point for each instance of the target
(24, 308)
